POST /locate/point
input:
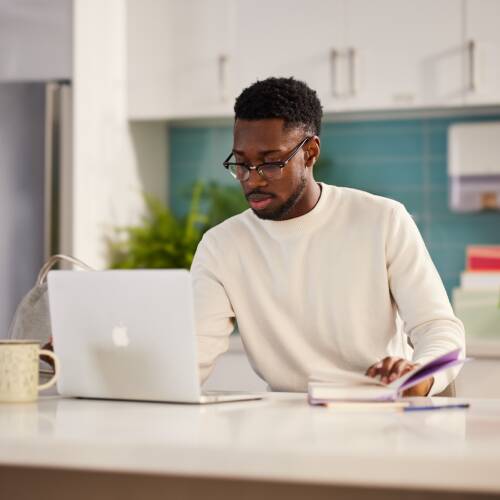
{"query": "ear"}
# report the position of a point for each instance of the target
(312, 151)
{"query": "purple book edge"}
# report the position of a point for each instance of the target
(443, 362)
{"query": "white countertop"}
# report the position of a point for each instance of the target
(278, 438)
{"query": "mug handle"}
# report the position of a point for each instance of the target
(52, 381)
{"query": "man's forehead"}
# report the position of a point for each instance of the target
(265, 134)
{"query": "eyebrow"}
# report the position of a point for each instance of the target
(265, 152)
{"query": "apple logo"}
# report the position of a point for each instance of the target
(119, 334)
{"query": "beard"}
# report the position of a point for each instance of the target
(281, 212)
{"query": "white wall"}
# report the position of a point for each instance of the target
(113, 163)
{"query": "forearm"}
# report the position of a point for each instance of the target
(213, 311)
(436, 337)
(209, 349)
(420, 297)
(433, 339)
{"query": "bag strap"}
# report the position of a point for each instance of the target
(53, 260)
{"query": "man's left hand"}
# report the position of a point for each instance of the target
(391, 368)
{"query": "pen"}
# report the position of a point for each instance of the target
(436, 407)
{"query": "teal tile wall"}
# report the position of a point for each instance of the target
(401, 159)
(197, 153)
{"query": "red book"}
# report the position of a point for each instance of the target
(483, 258)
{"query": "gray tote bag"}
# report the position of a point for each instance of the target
(32, 317)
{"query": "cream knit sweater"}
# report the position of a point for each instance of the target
(321, 290)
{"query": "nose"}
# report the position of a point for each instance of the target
(254, 180)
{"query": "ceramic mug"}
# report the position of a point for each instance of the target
(19, 370)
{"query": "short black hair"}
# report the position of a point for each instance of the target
(285, 98)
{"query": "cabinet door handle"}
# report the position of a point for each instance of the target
(222, 70)
(351, 56)
(471, 53)
(334, 57)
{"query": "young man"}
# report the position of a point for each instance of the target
(315, 275)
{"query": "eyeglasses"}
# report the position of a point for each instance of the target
(268, 170)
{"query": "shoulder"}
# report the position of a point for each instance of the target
(363, 200)
(223, 235)
(357, 205)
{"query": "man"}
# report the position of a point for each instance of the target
(315, 275)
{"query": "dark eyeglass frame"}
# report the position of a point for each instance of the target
(260, 168)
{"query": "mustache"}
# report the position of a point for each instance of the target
(258, 191)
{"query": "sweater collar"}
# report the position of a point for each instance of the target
(305, 222)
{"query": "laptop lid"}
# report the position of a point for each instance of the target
(125, 334)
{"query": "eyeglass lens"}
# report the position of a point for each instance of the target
(269, 172)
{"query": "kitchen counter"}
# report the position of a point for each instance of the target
(279, 441)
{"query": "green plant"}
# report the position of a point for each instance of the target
(164, 240)
(222, 202)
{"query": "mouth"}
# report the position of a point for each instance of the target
(258, 201)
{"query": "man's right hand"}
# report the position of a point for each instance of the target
(391, 368)
(49, 347)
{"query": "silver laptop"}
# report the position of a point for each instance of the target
(128, 335)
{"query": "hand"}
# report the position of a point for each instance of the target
(48, 346)
(391, 368)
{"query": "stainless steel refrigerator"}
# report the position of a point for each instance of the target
(36, 40)
(35, 184)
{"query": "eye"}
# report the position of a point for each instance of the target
(270, 160)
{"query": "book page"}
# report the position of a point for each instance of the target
(338, 378)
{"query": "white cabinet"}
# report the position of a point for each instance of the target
(482, 59)
(191, 58)
(233, 372)
(356, 54)
(286, 38)
(150, 63)
(479, 379)
(202, 57)
(179, 58)
(404, 53)
(36, 40)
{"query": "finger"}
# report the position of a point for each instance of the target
(374, 369)
(401, 366)
(48, 346)
(408, 368)
(387, 365)
(47, 359)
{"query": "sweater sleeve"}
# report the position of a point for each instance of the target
(420, 296)
(214, 315)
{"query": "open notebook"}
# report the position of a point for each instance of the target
(342, 385)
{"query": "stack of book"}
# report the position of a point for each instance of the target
(477, 301)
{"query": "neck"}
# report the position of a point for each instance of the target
(307, 201)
